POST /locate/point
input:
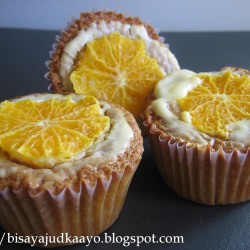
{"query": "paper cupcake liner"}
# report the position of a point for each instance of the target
(201, 174)
(89, 211)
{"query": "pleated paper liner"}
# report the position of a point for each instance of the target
(88, 211)
(85, 206)
(200, 174)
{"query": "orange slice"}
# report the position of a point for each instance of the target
(118, 69)
(219, 100)
(42, 133)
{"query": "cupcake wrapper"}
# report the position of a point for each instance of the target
(88, 211)
(201, 174)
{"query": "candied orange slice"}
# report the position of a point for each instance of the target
(118, 69)
(219, 100)
(42, 133)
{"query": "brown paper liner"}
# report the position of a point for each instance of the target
(82, 206)
(89, 211)
(200, 174)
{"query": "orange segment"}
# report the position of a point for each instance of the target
(218, 101)
(118, 69)
(43, 133)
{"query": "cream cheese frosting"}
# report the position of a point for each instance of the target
(240, 131)
(155, 48)
(106, 149)
(177, 85)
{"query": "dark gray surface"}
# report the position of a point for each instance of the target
(150, 207)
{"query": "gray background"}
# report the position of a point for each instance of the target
(166, 15)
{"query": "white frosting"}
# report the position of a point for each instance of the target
(118, 139)
(177, 127)
(240, 131)
(155, 48)
(177, 85)
(107, 149)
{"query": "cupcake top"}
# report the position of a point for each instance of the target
(51, 138)
(110, 56)
(206, 108)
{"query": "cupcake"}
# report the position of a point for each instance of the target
(66, 162)
(198, 127)
(110, 56)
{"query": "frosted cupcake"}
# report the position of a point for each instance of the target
(66, 163)
(198, 126)
(112, 57)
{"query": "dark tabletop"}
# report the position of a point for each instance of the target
(150, 207)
